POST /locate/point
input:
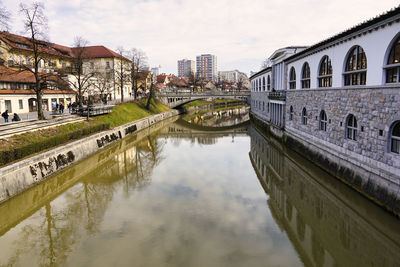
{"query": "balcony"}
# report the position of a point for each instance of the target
(277, 95)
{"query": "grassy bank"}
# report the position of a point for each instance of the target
(129, 112)
(20, 146)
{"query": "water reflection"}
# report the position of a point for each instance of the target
(224, 117)
(328, 224)
(45, 222)
(179, 195)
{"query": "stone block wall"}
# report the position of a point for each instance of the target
(375, 109)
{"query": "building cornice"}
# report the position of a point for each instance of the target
(357, 31)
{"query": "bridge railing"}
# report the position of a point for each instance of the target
(206, 93)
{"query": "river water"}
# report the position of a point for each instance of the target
(180, 194)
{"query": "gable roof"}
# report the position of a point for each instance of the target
(25, 76)
(98, 51)
(24, 43)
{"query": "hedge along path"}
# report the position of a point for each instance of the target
(20, 146)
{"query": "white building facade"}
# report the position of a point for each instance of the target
(340, 100)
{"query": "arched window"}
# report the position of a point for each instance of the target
(351, 127)
(356, 67)
(292, 78)
(291, 113)
(325, 73)
(395, 138)
(304, 116)
(323, 121)
(263, 83)
(269, 83)
(393, 72)
(305, 76)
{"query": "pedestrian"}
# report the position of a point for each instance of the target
(5, 115)
(57, 106)
(61, 108)
(16, 117)
(69, 107)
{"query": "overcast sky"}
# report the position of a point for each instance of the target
(240, 33)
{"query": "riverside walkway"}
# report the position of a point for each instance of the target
(19, 127)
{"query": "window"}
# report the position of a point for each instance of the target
(393, 67)
(263, 83)
(323, 121)
(356, 67)
(107, 64)
(325, 73)
(291, 113)
(351, 127)
(292, 78)
(21, 105)
(305, 76)
(395, 138)
(304, 116)
(259, 85)
(269, 83)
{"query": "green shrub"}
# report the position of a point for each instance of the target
(26, 149)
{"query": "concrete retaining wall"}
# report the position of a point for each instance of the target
(21, 175)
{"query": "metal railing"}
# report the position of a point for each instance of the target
(277, 95)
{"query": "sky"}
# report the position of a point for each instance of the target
(240, 33)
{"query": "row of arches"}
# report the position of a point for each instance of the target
(355, 69)
(260, 85)
(354, 72)
(351, 127)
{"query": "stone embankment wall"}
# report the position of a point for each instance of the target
(21, 175)
(366, 164)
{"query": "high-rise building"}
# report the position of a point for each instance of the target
(185, 67)
(156, 70)
(206, 67)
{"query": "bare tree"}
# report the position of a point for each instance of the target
(138, 63)
(122, 71)
(4, 18)
(79, 76)
(151, 93)
(35, 22)
(103, 83)
(193, 80)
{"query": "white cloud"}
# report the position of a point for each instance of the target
(240, 33)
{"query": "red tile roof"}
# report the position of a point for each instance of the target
(25, 76)
(25, 43)
(161, 78)
(31, 92)
(98, 51)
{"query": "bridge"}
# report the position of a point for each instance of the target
(175, 99)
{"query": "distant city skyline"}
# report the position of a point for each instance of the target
(241, 34)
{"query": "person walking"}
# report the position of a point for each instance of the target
(5, 115)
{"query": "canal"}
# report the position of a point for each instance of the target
(194, 193)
